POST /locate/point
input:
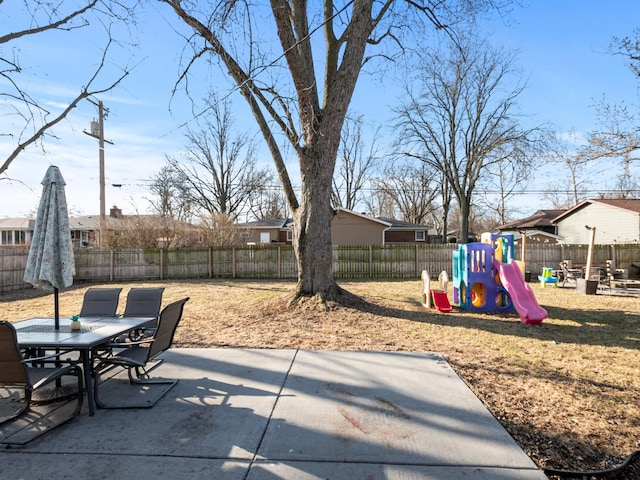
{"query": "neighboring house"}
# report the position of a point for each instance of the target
(347, 228)
(539, 227)
(406, 232)
(615, 220)
(268, 231)
(85, 230)
(16, 232)
(19, 231)
(540, 221)
(351, 228)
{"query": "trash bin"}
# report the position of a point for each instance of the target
(588, 287)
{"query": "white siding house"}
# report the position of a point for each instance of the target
(16, 232)
(615, 221)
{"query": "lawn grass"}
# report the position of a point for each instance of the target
(568, 390)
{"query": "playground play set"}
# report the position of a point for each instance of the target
(486, 278)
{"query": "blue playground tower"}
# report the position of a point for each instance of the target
(476, 281)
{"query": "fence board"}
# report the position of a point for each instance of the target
(13, 262)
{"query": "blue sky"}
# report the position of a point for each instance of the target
(562, 48)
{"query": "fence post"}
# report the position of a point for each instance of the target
(210, 253)
(162, 264)
(233, 262)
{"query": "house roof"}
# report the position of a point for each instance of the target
(365, 216)
(541, 218)
(402, 225)
(17, 223)
(390, 223)
(88, 222)
(632, 205)
(267, 223)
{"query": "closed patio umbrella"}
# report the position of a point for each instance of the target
(50, 264)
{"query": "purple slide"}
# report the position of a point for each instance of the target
(521, 294)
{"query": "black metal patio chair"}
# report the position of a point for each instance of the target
(144, 302)
(139, 357)
(100, 302)
(29, 375)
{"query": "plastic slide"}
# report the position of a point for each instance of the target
(521, 294)
(440, 301)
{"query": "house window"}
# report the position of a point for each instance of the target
(14, 237)
(289, 235)
(420, 236)
(265, 237)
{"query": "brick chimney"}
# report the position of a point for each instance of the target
(115, 212)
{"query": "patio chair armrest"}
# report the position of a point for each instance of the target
(127, 343)
(46, 375)
(56, 355)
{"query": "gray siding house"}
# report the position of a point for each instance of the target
(616, 220)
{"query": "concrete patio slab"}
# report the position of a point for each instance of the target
(267, 414)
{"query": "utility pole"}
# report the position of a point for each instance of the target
(101, 156)
(97, 131)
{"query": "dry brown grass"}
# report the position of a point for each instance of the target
(568, 390)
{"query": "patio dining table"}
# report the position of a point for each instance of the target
(40, 333)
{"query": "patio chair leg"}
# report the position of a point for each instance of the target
(134, 380)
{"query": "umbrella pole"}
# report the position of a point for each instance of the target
(56, 316)
(59, 391)
(56, 308)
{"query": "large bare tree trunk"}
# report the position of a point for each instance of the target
(465, 210)
(312, 219)
(312, 237)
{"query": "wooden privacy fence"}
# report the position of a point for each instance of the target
(278, 261)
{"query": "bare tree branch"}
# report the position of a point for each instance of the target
(86, 92)
(46, 16)
(56, 25)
